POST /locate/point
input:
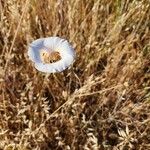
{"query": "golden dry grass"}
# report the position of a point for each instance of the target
(102, 101)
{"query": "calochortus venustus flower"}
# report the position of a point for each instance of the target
(52, 54)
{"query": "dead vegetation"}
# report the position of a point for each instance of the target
(102, 101)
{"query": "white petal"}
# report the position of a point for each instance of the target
(52, 42)
(46, 68)
(34, 50)
(65, 48)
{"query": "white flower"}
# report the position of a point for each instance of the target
(46, 48)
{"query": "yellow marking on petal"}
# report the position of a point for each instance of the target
(47, 57)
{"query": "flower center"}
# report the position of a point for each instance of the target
(47, 57)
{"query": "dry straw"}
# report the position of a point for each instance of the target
(102, 101)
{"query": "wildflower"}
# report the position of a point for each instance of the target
(51, 54)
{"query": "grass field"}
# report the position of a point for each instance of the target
(102, 102)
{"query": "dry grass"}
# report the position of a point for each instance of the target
(102, 101)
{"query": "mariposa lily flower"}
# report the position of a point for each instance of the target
(52, 54)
